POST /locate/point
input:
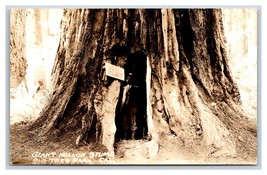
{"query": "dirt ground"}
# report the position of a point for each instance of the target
(28, 149)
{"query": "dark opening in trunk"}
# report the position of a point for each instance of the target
(131, 114)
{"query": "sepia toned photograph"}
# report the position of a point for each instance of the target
(133, 86)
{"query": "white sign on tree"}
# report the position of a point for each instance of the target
(114, 71)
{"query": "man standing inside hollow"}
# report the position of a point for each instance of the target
(129, 107)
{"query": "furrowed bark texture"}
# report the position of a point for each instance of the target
(189, 85)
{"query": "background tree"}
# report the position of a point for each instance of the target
(18, 63)
(182, 66)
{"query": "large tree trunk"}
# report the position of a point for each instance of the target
(18, 62)
(182, 68)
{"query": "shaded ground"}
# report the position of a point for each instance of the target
(27, 148)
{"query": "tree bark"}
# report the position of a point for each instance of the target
(190, 91)
(18, 61)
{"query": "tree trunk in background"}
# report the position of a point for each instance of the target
(181, 53)
(18, 62)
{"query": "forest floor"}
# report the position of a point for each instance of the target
(28, 149)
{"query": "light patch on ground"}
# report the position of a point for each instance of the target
(26, 106)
